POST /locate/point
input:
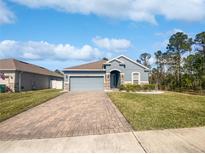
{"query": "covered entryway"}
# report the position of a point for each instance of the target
(114, 79)
(86, 83)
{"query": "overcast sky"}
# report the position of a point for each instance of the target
(62, 33)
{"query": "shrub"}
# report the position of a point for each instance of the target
(138, 87)
(135, 87)
(122, 87)
(148, 87)
(130, 87)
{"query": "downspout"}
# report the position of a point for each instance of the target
(20, 73)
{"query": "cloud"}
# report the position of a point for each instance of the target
(6, 16)
(152, 60)
(135, 10)
(170, 32)
(116, 45)
(161, 45)
(43, 50)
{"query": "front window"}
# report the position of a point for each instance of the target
(135, 78)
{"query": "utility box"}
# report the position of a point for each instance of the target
(2, 88)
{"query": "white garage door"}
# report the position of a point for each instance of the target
(86, 83)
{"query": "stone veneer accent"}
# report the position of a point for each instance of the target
(122, 78)
(107, 81)
(66, 86)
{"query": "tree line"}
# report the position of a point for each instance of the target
(181, 66)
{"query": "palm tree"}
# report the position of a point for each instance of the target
(144, 57)
(158, 57)
(179, 44)
(200, 42)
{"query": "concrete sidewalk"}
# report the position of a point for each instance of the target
(170, 140)
(120, 142)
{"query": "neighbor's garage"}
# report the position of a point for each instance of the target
(86, 83)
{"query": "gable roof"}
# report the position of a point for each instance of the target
(115, 59)
(97, 65)
(135, 62)
(17, 65)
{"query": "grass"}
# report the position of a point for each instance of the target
(195, 92)
(14, 103)
(161, 111)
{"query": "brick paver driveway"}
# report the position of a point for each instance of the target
(71, 114)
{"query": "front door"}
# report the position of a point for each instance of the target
(114, 79)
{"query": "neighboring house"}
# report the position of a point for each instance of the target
(22, 76)
(105, 74)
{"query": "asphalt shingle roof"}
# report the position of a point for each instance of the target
(89, 66)
(17, 65)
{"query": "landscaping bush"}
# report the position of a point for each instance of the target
(148, 87)
(122, 87)
(135, 87)
(131, 87)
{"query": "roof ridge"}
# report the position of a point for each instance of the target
(19, 65)
(16, 60)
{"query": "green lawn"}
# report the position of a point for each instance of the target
(14, 103)
(168, 110)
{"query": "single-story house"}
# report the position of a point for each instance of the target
(105, 74)
(21, 76)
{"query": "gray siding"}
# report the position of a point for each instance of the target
(115, 66)
(82, 73)
(128, 69)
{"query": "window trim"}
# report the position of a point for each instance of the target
(139, 76)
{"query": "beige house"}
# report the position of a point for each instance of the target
(21, 76)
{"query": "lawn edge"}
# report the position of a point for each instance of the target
(120, 111)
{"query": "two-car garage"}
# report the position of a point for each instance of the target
(85, 77)
(86, 83)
